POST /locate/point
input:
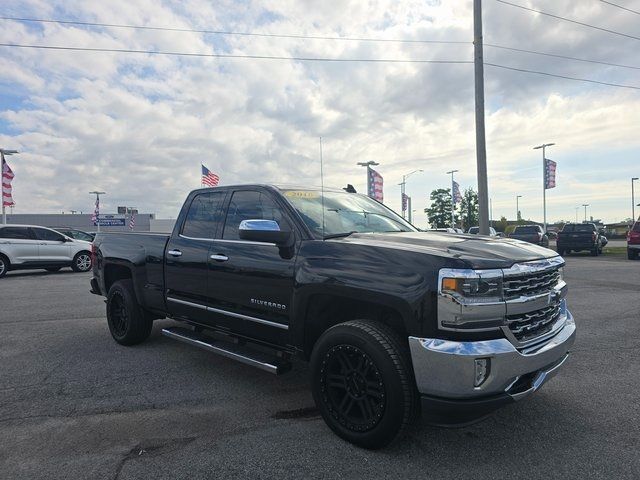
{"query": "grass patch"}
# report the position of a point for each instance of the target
(614, 251)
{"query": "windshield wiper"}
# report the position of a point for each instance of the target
(338, 235)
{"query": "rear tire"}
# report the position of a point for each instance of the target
(631, 255)
(4, 265)
(81, 262)
(127, 322)
(595, 251)
(363, 384)
(561, 252)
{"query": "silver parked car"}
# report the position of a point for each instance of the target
(32, 246)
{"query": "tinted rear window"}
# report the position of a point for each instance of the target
(204, 215)
(579, 228)
(527, 230)
(20, 233)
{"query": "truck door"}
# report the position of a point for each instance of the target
(250, 284)
(186, 256)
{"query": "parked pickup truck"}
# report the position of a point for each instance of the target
(532, 234)
(391, 319)
(575, 237)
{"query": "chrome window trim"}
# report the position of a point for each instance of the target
(221, 240)
(230, 314)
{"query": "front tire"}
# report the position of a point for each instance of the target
(127, 322)
(81, 262)
(4, 265)
(363, 384)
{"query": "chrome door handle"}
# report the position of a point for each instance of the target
(175, 253)
(219, 258)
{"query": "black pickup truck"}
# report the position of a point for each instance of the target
(392, 320)
(575, 237)
(530, 233)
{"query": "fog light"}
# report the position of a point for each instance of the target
(482, 371)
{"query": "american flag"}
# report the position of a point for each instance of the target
(7, 176)
(209, 178)
(549, 173)
(96, 212)
(132, 220)
(374, 184)
(457, 198)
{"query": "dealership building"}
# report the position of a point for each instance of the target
(109, 222)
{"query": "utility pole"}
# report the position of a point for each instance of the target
(481, 148)
(585, 205)
(453, 201)
(518, 197)
(97, 194)
(544, 181)
(633, 201)
(4, 152)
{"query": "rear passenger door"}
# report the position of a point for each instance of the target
(186, 256)
(250, 284)
(52, 246)
(19, 244)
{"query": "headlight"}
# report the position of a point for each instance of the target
(473, 287)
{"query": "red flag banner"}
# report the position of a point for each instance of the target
(549, 173)
(7, 177)
(374, 184)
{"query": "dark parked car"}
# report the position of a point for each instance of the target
(576, 237)
(388, 316)
(633, 241)
(75, 233)
(531, 234)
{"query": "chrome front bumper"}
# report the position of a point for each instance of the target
(446, 369)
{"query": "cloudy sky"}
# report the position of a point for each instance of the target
(138, 126)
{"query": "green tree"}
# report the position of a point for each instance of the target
(469, 208)
(439, 213)
(501, 225)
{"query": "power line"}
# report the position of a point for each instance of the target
(562, 56)
(223, 32)
(307, 59)
(621, 7)
(229, 55)
(536, 72)
(558, 17)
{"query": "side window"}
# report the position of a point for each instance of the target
(19, 233)
(48, 235)
(204, 215)
(249, 205)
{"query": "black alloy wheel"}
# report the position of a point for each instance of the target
(118, 314)
(127, 321)
(353, 389)
(362, 382)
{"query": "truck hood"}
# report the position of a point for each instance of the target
(475, 250)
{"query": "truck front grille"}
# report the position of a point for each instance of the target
(531, 283)
(530, 325)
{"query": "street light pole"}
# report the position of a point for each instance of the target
(585, 205)
(518, 197)
(402, 191)
(368, 164)
(97, 194)
(4, 152)
(453, 201)
(544, 181)
(481, 147)
(633, 201)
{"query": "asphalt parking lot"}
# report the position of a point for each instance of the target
(74, 404)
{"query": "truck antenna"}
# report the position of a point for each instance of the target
(322, 187)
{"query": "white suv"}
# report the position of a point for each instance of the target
(30, 246)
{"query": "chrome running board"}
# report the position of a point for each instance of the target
(241, 353)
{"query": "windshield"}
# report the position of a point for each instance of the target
(345, 213)
(527, 230)
(586, 227)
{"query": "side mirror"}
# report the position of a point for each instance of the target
(267, 231)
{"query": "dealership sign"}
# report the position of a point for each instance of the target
(112, 220)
